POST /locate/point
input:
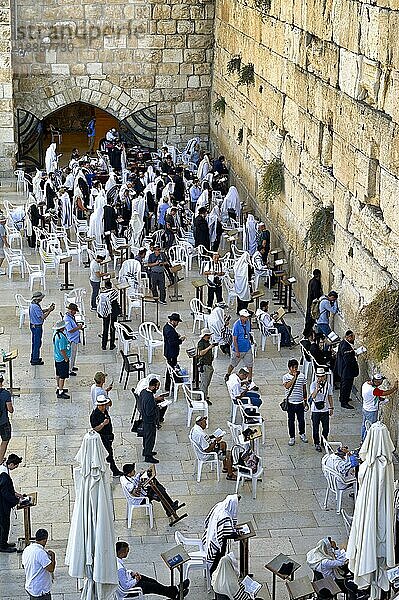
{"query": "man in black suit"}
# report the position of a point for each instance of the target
(346, 368)
(172, 341)
(8, 499)
(315, 291)
(151, 416)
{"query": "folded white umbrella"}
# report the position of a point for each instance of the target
(90, 552)
(371, 541)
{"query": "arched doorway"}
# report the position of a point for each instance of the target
(71, 122)
(34, 134)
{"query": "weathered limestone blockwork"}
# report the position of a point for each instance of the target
(118, 56)
(325, 102)
(7, 148)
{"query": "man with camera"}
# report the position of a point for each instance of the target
(205, 361)
(321, 407)
(156, 262)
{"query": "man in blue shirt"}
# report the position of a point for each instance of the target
(91, 134)
(195, 193)
(72, 331)
(37, 316)
(62, 353)
(241, 350)
(328, 306)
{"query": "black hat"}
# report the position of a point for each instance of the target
(14, 459)
(175, 317)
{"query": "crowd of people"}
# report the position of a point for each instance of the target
(153, 206)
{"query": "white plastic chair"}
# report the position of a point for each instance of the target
(20, 183)
(178, 256)
(236, 431)
(330, 447)
(271, 332)
(348, 520)
(195, 402)
(49, 261)
(200, 313)
(209, 458)
(125, 338)
(74, 249)
(228, 283)
(13, 235)
(152, 337)
(251, 419)
(245, 473)
(35, 273)
(336, 484)
(22, 308)
(175, 385)
(15, 261)
(130, 507)
(196, 551)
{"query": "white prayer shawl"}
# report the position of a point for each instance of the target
(51, 159)
(149, 176)
(66, 210)
(111, 182)
(225, 577)
(145, 382)
(216, 323)
(96, 225)
(250, 235)
(136, 226)
(219, 524)
(28, 223)
(101, 200)
(213, 218)
(123, 159)
(37, 190)
(76, 189)
(93, 195)
(168, 190)
(138, 206)
(232, 201)
(130, 272)
(73, 163)
(203, 168)
(241, 280)
(203, 200)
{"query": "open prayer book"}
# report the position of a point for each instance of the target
(218, 433)
(360, 350)
(164, 403)
(244, 529)
(251, 586)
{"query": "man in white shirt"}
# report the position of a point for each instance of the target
(295, 392)
(129, 580)
(208, 443)
(239, 388)
(95, 279)
(372, 398)
(322, 406)
(38, 564)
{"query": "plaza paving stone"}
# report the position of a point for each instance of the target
(287, 514)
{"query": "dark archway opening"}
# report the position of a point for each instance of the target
(34, 135)
(71, 122)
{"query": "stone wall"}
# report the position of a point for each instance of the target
(118, 56)
(7, 147)
(325, 101)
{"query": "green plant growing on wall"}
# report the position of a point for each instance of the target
(220, 106)
(380, 324)
(320, 234)
(272, 180)
(240, 136)
(263, 6)
(234, 65)
(247, 75)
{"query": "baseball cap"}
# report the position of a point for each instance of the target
(332, 293)
(244, 313)
(378, 376)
